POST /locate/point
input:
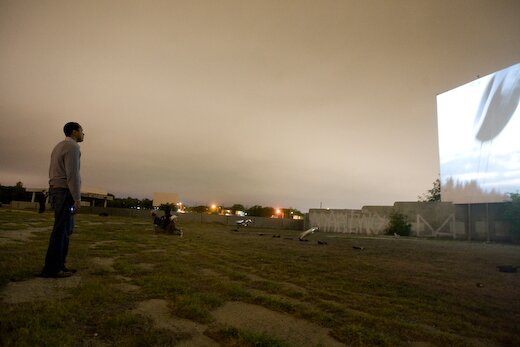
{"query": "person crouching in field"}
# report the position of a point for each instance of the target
(166, 224)
(157, 221)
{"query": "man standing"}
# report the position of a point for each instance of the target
(65, 198)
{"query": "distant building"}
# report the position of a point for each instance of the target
(90, 196)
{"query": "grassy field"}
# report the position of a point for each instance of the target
(215, 286)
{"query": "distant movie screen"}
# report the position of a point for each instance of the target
(479, 139)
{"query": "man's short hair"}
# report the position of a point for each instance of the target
(70, 127)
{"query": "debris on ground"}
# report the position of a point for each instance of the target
(308, 232)
(507, 268)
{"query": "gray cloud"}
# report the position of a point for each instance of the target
(276, 103)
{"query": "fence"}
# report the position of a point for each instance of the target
(257, 222)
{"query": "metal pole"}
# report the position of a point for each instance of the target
(469, 222)
(487, 221)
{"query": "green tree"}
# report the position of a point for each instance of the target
(433, 194)
(128, 202)
(146, 203)
(198, 209)
(259, 211)
(237, 207)
(398, 224)
(10, 193)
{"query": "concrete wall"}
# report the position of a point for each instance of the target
(480, 222)
(431, 219)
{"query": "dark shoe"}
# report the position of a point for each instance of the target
(69, 270)
(59, 274)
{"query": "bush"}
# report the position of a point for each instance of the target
(398, 225)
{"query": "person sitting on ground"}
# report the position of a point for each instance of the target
(157, 221)
(167, 217)
(171, 228)
(166, 223)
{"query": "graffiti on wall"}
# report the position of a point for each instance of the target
(348, 221)
(447, 228)
(371, 223)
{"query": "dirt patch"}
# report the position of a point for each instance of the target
(145, 266)
(247, 317)
(106, 264)
(22, 235)
(297, 332)
(126, 287)
(39, 289)
(158, 311)
(211, 273)
(293, 287)
(101, 243)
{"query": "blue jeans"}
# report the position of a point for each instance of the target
(62, 202)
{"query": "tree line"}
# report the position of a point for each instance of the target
(18, 193)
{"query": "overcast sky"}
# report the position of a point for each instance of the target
(278, 103)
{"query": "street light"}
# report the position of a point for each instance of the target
(214, 208)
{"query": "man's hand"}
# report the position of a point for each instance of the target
(77, 206)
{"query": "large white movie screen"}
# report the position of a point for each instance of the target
(479, 139)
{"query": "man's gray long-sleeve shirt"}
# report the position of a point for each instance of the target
(64, 167)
